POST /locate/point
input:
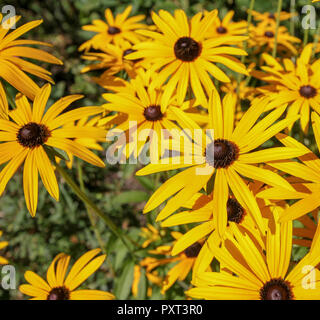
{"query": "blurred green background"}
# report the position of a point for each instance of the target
(64, 226)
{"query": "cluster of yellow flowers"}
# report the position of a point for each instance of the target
(176, 88)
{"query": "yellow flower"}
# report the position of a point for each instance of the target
(249, 273)
(146, 119)
(225, 159)
(31, 131)
(296, 84)
(269, 18)
(202, 212)
(115, 30)
(263, 39)
(60, 286)
(113, 59)
(183, 53)
(226, 27)
(13, 67)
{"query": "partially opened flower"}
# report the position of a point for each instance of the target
(30, 132)
(223, 159)
(13, 67)
(249, 273)
(62, 285)
(114, 30)
(294, 83)
(186, 56)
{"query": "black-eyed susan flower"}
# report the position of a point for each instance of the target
(249, 273)
(184, 55)
(225, 158)
(12, 52)
(113, 59)
(203, 215)
(226, 27)
(146, 117)
(293, 83)
(30, 131)
(269, 18)
(62, 285)
(262, 38)
(114, 30)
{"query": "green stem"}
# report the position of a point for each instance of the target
(84, 198)
(306, 33)
(274, 50)
(245, 43)
(92, 220)
(292, 11)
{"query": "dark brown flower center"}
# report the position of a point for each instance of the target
(128, 51)
(59, 293)
(113, 30)
(187, 49)
(307, 91)
(235, 211)
(269, 34)
(221, 30)
(272, 16)
(33, 135)
(276, 289)
(221, 153)
(193, 250)
(153, 113)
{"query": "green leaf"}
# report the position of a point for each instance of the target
(146, 182)
(134, 196)
(210, 185)
(54, 152)
(142, 286)
(124, 282)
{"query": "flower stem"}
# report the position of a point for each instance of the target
(292, 11)
(92, 218)
(85, 199)
(274, 50)
(245, 43)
